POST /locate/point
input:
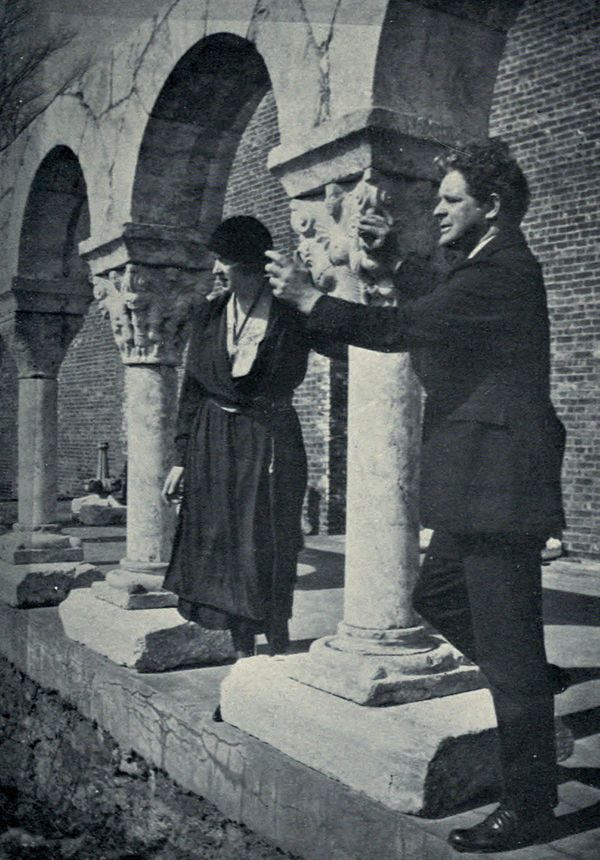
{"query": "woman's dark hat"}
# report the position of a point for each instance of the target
(241, 239)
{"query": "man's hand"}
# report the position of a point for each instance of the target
(291, 281)
(173, 484)
(373, 230)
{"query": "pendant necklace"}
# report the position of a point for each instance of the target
(237, 332)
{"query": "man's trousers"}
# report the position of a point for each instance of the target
(484, 594)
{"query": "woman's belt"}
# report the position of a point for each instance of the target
(261, 406)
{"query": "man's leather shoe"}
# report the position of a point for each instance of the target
(503, 830)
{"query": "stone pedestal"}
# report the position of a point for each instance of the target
(423, 758)
(149, 640)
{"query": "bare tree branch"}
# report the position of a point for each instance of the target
(27, 52)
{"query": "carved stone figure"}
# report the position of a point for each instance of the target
(342, 261)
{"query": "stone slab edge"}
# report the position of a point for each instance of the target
(419, 759)
(149, 640)
(294, 806)
(45, 584)
(126, 600)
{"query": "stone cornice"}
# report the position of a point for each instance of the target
(34, 295)
(37, 340)
(393, 143)
(146, 244)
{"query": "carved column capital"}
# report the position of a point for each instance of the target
(343, 262)
(149, 310)
(39, 341)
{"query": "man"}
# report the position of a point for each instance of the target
(491, 460)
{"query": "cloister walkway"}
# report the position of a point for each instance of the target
(167, 719)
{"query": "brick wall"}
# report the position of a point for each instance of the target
(90, 404)
(546, 104)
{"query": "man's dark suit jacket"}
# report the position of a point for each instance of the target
(492, 443)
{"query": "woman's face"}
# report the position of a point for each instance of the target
(226, 273)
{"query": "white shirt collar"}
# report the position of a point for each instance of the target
(480, 245)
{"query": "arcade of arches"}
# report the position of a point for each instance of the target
(299, 113)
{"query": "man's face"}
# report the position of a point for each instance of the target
(461, 218)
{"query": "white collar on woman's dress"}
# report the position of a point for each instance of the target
(243, 352)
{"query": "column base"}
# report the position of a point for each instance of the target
(152, 640)
(28, 586)
(42, 545)
(425, 758)
(385, 667)
(135, 590)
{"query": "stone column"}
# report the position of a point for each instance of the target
(380, 653)
(38, 563)
(149, 307)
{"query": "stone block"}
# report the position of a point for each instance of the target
(95, 515)
(39, 546)
(32, 585)
(443, 752)
(149, 640)
(95, 510)
(159, 599)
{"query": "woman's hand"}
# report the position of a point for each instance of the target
(291, 281)
(173, 485)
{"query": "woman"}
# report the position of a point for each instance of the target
(241, 458)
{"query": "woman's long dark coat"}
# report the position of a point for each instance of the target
(492, 443)
(238, 533)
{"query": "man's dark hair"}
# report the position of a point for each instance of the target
(490, 168)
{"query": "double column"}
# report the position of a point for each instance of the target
(38, 563)
(146, 283)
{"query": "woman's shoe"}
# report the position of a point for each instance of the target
(564, 740)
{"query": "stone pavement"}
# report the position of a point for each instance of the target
(167, 719)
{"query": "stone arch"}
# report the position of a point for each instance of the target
(193, 131)
(55, 220)
(66, 126)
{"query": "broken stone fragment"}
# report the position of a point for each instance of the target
(95, 510)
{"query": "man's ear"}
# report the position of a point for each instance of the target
(493, 209)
